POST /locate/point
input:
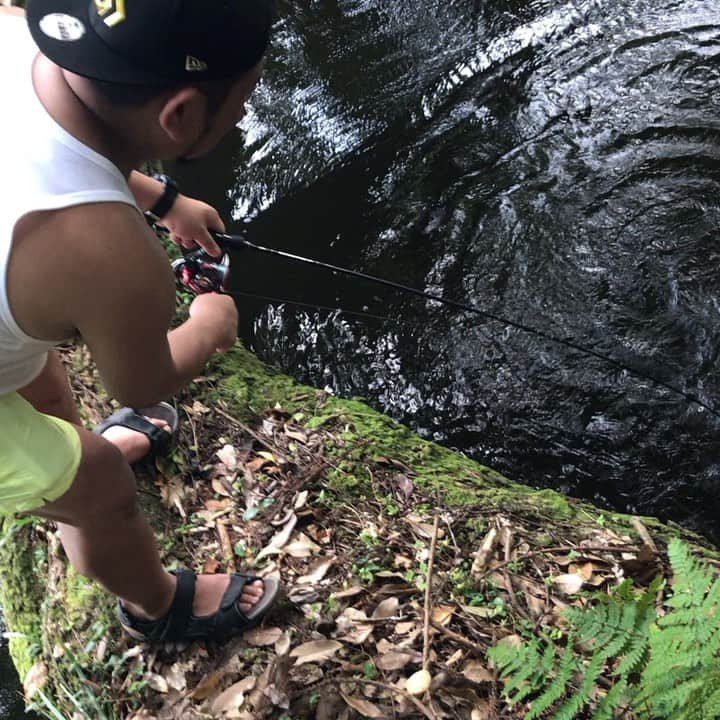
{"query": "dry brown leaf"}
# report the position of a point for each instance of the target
(569, 583)
(220, 486)
(176, 678)
(477, 672)
(403, 628)
(418, 682)
(316, 571)
(482, 711)
(315, 651)
(387, 608)
(207, 685)
(228, 457)
(349, 592)
(442, 614)
(35, 679)
(282, 645)
(215, 506)
(279, 539)
(172, 493)
(229, 700)
(260, 637)
(302, 546)
(394, 660)
(257, 464)
(301, 500)
(298, 435)
(364, 707)
(157, 682)
(352, 626)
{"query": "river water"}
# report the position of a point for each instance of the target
(556, 163)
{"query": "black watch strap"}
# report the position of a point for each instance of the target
(162, 207)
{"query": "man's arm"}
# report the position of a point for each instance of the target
(12, 10)
(125, 309)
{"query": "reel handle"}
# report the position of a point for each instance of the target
(202, 273)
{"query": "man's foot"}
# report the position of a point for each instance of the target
(132, 444)
(140, 434)
(205, 607)
(209, 590)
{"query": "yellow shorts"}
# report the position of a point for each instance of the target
(39, 456)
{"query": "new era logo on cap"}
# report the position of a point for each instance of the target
(192, 64)
(111, 11)
(152, 42)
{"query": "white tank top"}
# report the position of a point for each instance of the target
(42, 167)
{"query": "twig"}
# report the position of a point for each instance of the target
(224, 539)
(246, 428)
(428, 583)
(459, 639)
(561, 548)
(391, 688)
(642, 531)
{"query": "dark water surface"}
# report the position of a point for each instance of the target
(555, 163)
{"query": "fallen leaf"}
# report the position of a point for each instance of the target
(481, 711)
(175, 677)
(157, 682)
(35, 679)
(207, 685)
(403, 628)
(282, 645)
(279, 539)
(349, 592)
(230, 700)
(301, 500)
(302, 546)
(260, 637)
(220, 486)
(418, 682)
(298, 435)
(442, 614)
(257, 464)
(569, 583)
(477, 672)
(364, 707)
(387, 608)
(315, 651)
(394, 660)
(316, 571)
(172, 493)
(228, 457)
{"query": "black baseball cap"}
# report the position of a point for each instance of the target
(152, 42)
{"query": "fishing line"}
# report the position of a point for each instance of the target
(238, 242)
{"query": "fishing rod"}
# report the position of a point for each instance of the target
(203, 273)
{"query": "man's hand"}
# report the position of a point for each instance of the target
(188, 221)
(219, 315)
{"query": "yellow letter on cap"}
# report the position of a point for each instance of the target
(116, 8)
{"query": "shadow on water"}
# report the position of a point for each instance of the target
(556, 163)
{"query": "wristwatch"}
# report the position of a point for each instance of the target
(162, 207)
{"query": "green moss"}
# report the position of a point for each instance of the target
(21, 590)
(81, 611)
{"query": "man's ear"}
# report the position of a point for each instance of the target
(183, 116)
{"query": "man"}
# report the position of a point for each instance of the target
(95, 89)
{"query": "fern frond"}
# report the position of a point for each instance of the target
(558, 687)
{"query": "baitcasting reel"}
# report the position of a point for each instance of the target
(201, 272)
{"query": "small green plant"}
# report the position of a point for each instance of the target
(664, 668)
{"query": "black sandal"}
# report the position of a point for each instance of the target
(134, 419)
(180, 625)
